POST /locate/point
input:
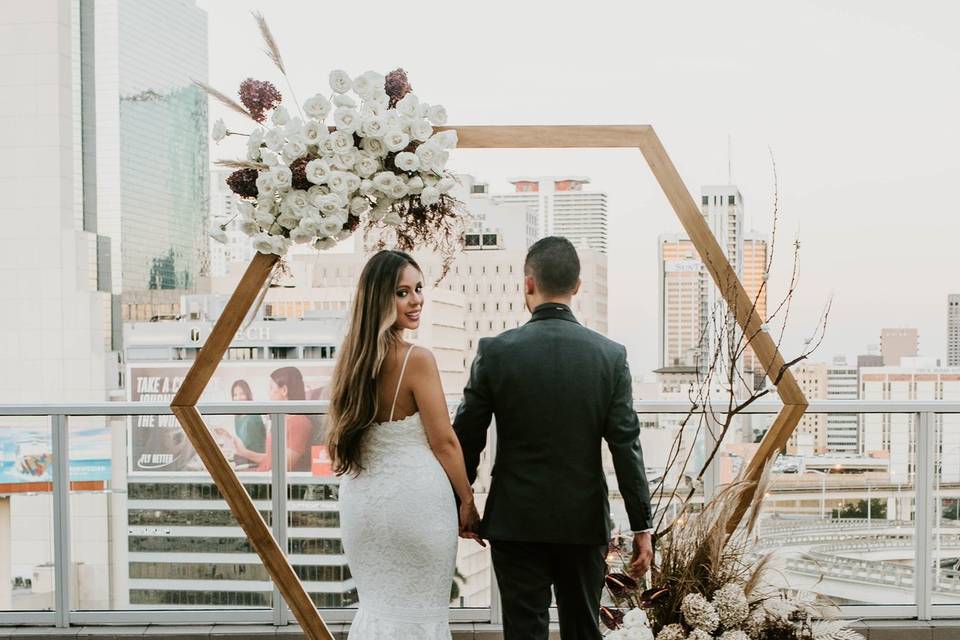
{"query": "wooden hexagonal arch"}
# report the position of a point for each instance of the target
(484, 137)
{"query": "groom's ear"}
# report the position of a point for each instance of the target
(576, 288)
(529, 285)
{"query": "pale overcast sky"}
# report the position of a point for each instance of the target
(858, 101)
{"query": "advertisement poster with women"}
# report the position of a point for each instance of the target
(157, 444)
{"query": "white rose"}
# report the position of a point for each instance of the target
(341, 141)
(297, 201)
(338, 181)
(437, 115)
(618, 634)
(429, 179)
(343, 234)
(420, 130)
(407, 105)
(380, 98)
(415, 184)
(445, 139)
(317, 171)
(398, 190)
(293, 149)
(270, 158)
(367, 83)
(325, 243)
(372, 127)
(265, 219)
(255, 139)
(446, 184)
(440, 163)
(282, 176)
(422, 109)
(280, 116)
(359, 205)
(310, 223)
(317, 107)
(393, 219)
(274, 139)
(280, 245)
(430, 195)
(330, 226)
(347, 120)
(263, 243)
(371, 109)
(315, 132)
(344, 101)
(326, 147)
(392, 120)
(353, 183)
(374, 146)
(302, 236)
(396, 140)
(407, 161)
(340, 81)
(264, 182)
(429, 153)
(366, 164)
(366, 187)
(219, 131)
(248, 226)
(330, 204)
(315, 193)
(219, 234)
(265, 201)
(288, 220)
(384, 180)
(244, 209)
(345, 161)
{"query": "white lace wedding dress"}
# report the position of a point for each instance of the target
(398, 522)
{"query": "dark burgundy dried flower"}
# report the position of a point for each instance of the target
(259, 96)
(299, 170)
(243, 182)
(650, 597)
(397, 85)
(611, 618)
(352, 223)
(620, 584)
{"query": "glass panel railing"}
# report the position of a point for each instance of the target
(27, 572)
(945, 547)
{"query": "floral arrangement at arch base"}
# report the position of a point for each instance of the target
(365, 153)
(707, 585)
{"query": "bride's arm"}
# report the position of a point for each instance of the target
(428, 394)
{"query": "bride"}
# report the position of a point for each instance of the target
(399, 460)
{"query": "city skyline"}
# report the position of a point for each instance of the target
(846, 189)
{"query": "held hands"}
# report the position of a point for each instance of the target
(642, 554)
(470, 521)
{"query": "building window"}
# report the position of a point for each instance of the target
(731, 199)
(705, 200)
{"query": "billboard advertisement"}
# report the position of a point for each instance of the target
(157, 444)
(26, 455)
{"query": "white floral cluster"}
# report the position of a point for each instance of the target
(372, 157)
(635, 627)
(730, 616)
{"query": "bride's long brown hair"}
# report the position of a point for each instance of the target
(354, 396)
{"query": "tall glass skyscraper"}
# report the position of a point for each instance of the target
(152, 151)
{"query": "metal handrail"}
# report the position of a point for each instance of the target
(126, 408)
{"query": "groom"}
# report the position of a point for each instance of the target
(556, 390)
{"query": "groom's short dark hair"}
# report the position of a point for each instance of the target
(554, 265)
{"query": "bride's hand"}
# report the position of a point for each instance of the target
(470, 522)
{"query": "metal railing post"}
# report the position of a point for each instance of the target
(61, 520)
(923, 483)
(278, 494)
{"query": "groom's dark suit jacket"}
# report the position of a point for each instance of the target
(556, 390)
